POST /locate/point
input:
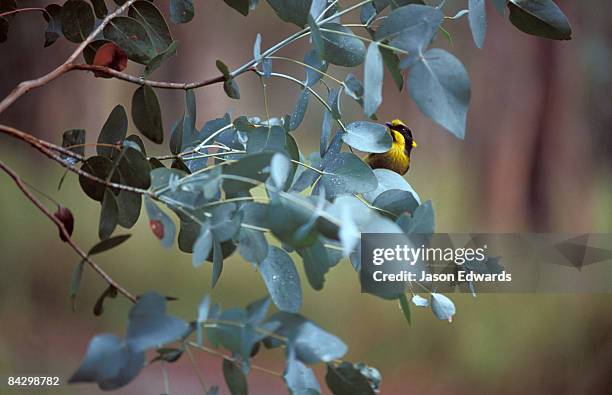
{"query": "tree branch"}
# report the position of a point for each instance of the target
(21, 185)
(141, 81)
(47, 149)
(26, 86)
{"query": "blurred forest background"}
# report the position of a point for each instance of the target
(537, 157)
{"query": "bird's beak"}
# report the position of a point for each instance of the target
(414, 144)
(389, 125)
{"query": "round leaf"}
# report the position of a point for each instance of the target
(77, 20)
(367, 137)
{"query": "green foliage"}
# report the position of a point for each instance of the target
(244, 186)
(541, 18)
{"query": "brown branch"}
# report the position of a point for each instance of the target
(21, 185)
(41, 146)
(23, 10)
(36, 142)
(26, 86)
(141, 81)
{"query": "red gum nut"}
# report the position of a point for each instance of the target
(111, 56)
(158, 228)
(65, 216)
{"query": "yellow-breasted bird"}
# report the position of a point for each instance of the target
(398, 157)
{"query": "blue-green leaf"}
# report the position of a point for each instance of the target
(440, 86)
(422, 221)
(342, 47)
(146, 114)
(160, 223)
(242, 6)
(396, 202)
(478, 21)
(280, 166)
(410, 28)
(345, 379)
(388, 179)
(372, 80)
(77, 20)
(234, 378)
(110, 362)
(113, 132)
(202, 246)
(367, 136)
(299, 110)
(442, 307)
(311, 343)
(282, 280)
(300, 379)
(132, 37)
(217, 262)
(293, 11)
(149, 326)
(346, 173)
(153, 21)
(420, 301)
(403, 301)
(540, 18)
(181, 11)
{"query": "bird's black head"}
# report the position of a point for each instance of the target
(399, 126)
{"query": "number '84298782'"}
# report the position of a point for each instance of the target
(27, 381)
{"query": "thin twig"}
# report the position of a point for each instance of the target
(141, 81)
(228, 358)
(22, 186)
(46, 148)
(27, 9)
(196, 369)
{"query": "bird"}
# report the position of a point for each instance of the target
(397, 158)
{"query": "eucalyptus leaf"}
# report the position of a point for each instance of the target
(311, 343)
(181, 11)
(108, 244)
(293, 11)
(160, 223)
(478, 21)
(540, 18)
(147, 114)
(77, 20)
(160, 58)
(149, 326)
(345, 379)
(346, 173)
(299, 110)
(202, 246)
(367, 136)
(372, 80)
(442, 307)
(388, 179)
(113, 132)
(282, 280)
(110, 362)
(242, 6)
(74, 140)
(54, 27)
(234, 378)
(109, 215)
(131, 36)
(99, 7)
(153, 21)
(440, 86)
(342, 47)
